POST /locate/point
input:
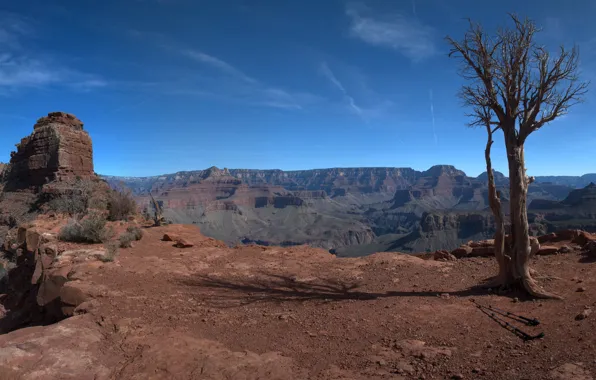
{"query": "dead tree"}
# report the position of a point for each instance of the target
(517, 87)
(158, 219)
(483, 115)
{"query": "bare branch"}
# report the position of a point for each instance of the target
(515, 79)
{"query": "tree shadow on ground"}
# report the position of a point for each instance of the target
(275, 288)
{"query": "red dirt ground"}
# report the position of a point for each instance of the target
(210, 312)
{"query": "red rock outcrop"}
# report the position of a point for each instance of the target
(58, 149)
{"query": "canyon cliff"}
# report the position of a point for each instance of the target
(57, 153)
(368, 209)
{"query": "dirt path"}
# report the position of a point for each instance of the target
(209, 312)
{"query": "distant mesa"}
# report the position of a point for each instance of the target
(214, 172)
(582, 197)
(438, 170)
(499, 177)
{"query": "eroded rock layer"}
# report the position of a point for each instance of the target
(58, 149)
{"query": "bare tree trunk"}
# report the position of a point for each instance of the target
(519, 270)
(495, 205)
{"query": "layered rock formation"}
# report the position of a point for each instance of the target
(47, 163)
(576, 211)
(321, 206)
(58, 149)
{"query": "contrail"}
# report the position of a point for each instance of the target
(414, 7)
(326, 71)
(432, 114)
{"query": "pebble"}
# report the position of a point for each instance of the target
(583, 315)
(581, 289)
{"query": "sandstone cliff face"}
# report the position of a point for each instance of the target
(464, 224)
(46, 163)
(333, 182)
(58, 149)
(577, 211)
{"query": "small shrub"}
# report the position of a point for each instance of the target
(136, 231)
(120, 205)
(84, 194)
(68, 205)
(133, 233)
(89, 230)
(111, 251)
(126, 240)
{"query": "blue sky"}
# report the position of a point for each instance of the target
(168, 85)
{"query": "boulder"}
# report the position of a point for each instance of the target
(462, 251)
(583, 238)
(183, 243)
(547, 238)
(74, 293)
(485, 251)
(482, 243)
(32, 240)
(444, 256)
(170, 237)
(43, 262)
(51, 285)
(567, 235)
(547, 250)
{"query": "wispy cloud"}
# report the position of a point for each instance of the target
(405, 35)
(219, 64)
(240, 87)
(432, 115)
(21, 68)
(326, 71)
(357, 96)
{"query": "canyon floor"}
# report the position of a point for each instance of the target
(212, 312)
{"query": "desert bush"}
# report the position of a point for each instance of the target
(126, 240)
(76, 201)
(120, 205)
(64, 204)
(111, 251)
(133, 233)
(92, 229)
(136, 231)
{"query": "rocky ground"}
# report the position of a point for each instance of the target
(212, 312)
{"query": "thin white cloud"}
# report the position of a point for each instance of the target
(432, 114)
(242, 88)
(218, 64)
(326, 71)
(22, 71)
(354, 85)
(21, 68)
(405, 35)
